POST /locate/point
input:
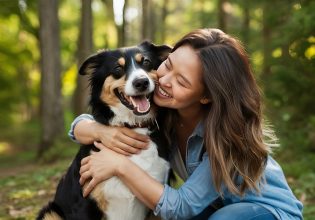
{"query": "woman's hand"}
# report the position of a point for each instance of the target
(99, 166)
(122, 140)
(106, 163)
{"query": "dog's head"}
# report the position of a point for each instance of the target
(122, 82)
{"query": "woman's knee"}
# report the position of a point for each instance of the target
(242, 211)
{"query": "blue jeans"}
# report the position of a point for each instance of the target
(236, 211)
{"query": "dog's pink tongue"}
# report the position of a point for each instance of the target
(141, 103)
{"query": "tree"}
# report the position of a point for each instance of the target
(266, 33)
(148, 26)
(292, 73)
(85, 48)
(246, 21)
(122, 38)
(222, 17)
(52, 122)
(110, 18)
(17, 93)
(145, 19)
(163, 20)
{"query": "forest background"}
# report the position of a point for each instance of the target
(42, 42)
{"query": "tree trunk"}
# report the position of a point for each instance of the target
(246, 22)
(124, 25)
(163, 22)
(148, 20)
(266, 41)
(109, 10)
(122, 38)
(222, 19)
(52, 122)
(152, 20)
(85, 48)
(145, 20)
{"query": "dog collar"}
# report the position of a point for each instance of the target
(151, 125)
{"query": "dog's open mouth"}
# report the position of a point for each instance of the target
(139, 104)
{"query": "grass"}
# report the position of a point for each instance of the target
(299, 170)
(24, 193)
(26, 185)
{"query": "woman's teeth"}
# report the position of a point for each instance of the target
(164, 93)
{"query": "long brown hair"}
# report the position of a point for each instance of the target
(234, 134)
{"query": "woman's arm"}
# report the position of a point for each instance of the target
(189, 200)
(143, 186)
(85, 130)
(106, 163)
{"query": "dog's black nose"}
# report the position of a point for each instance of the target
(141, 84)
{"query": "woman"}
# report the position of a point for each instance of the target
(214, 126)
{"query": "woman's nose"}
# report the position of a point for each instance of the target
(165, 80)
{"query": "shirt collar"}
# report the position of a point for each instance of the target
(199, 129)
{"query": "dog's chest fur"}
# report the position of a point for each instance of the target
(120, 202)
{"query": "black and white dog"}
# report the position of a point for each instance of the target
(121, 83)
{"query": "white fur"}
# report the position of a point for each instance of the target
(135, 74)
(122, 204)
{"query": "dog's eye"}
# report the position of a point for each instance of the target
(118, 68)
(146, 62)
(118, 71)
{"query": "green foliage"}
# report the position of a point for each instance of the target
(17, 55)
(292, 79)
(289, 88)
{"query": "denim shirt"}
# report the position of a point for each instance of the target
(198, 191)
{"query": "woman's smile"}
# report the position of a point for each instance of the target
(161, 92)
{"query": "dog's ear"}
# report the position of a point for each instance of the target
(162, 51)
(89, 66)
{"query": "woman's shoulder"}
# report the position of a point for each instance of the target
(274, 174)
(272, 166)
(275, 184)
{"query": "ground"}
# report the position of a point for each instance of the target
(25, 185)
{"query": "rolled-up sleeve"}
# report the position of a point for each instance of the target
(191, 198)
(75, 122)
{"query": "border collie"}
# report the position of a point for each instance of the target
(121, 85)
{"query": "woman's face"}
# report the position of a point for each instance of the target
(180, 80)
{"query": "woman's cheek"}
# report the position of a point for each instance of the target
(160, 70)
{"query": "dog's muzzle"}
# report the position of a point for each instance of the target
(139, 104)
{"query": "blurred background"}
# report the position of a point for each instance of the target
(42, 42)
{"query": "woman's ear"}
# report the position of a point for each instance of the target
(205, 100)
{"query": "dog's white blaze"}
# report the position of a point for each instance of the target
(135, 74)
(118, 195)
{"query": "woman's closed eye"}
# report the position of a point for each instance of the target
(181, 82)
(167, 64)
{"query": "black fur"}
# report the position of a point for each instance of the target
(69, 202)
